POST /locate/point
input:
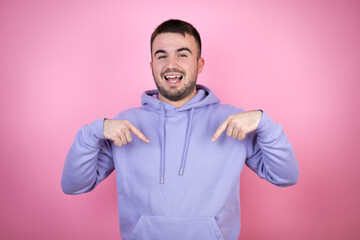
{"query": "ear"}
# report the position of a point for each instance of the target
(151, 65)
(201, 63)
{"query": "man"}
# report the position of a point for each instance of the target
(179, 176)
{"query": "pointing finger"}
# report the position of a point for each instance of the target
(220, 130)
(138, 133)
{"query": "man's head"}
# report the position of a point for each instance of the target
(177, 26)
(176, 61)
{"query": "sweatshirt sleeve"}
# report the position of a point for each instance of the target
(89, 160)
(271, 155)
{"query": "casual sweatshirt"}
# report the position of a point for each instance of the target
(181, 185)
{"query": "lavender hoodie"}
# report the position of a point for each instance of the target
(181, 185)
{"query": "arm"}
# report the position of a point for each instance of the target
(270, 154)
(89, 160)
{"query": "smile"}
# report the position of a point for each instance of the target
(173, 78)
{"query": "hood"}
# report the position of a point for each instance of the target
(203, 97)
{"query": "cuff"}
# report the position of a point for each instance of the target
(94, 132)
(267, 128)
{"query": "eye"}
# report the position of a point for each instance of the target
(182, 55)
(160, 57)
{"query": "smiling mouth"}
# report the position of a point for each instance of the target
(173, 78)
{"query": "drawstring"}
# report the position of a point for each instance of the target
(186, 146)
(162, 163)
(187, 139)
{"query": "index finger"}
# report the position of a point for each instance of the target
(220, 130)
(138, 133)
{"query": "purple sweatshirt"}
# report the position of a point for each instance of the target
(181, 185)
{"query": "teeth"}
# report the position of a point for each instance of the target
(172, 77)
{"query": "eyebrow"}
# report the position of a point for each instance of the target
(184, 49)
(159, 51)
(178, 50)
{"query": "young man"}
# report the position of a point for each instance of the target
(178, 176)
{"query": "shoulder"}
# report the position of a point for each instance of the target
(134, 114)
(227, 109)
(217, 113)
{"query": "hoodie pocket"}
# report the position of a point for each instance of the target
(174, 228)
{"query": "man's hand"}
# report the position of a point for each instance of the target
(238, 125)
(118, 131)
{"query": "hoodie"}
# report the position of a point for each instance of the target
(181, 185)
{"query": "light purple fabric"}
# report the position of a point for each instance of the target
(181, 185)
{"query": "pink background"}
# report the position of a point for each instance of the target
(66, 63)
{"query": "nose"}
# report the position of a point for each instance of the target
(171, 63)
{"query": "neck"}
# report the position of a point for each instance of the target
(180, 102)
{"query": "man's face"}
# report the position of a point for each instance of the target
(175, 65)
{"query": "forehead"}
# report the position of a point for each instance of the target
(173, 41)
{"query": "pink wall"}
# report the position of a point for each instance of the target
(66, 63)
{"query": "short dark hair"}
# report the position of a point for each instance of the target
(177, 26)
